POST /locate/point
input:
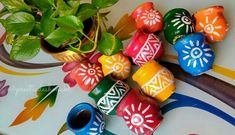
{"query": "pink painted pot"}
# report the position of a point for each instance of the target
(144, 47)
(141, 113)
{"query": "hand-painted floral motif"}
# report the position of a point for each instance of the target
(157, 82)
(87, 75)
(147, 18)
(212, 23)
(141, 114)
(117, 65)
(195, 56)
(3, 88)
(178, 22)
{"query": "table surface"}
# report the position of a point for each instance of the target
(179, 121)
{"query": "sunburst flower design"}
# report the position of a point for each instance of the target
(211, 27)
(196, 54)
(182, 20)
(91, 73)
(138, 118)
(150, 17)
(118, 65)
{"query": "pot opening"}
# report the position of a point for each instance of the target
(80, 120)
(88, 26)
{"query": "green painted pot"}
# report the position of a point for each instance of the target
(108, 94)
(177, 23)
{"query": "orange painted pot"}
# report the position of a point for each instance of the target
(155, 80)
(212, 23)
(117, 65)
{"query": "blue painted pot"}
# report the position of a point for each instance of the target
(84, 119)
(194, 55)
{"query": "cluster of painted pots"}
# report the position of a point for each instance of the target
(104, 76)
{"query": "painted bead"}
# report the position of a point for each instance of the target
(177, 23)
(84, 119)
(144, 47)
(141, 113)
(212, 23)
(108, 94)
(194, 55)
(155, 80)
(117, 65)
(147, 18)
(87, 75)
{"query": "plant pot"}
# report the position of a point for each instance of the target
(144, 47)
(108, 94)
(194, 55)
(117, 65)
(212, 23)
(155, 80)
(147, 18)
(177, 23)
(67, 56)
(84, 119)
(87, 75)
(141, 113)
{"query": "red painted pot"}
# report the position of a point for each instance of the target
(144, 47)
(147, 18)
(141, 113)
(87, 75)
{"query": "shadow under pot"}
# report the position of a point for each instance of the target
(144, 47)
(84, 119)
(155, 80)
(108, 94)
(62, 53)
(140, 112)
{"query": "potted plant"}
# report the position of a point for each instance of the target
(66, 29)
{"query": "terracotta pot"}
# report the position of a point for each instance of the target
(212, 23)
(117, 65)
(141, 113)
(155, 80)
(108, 94)
(87, 75)
(177, 23)
(194, 55)
(84, 119)
(147, 18)
(67, 56)
(144, 47)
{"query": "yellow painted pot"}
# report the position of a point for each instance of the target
(155, 80)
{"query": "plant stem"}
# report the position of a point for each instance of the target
(86, 36)
(105, 26)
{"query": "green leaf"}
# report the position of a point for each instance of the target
(64, 9)
(44, 5)
(86, 11)
(69, 23)
(47, 91)
(47, 23)
(109, 44)
(25, 48)
(63, 129)
(36, 31)
(19, 23)
(15, 5)
(59, 37)
(103, 3)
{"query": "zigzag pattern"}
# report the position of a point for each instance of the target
(158, 83)
(111, 99)
(148, 51)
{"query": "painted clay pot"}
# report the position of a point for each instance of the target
(65, 55)
(117, 65)
(84, 119)
(141, 113)
(155, 80)
(212, 23)
(144, 47)
(108, 94)
(147, 18)
(87, 75)
(177, 23)
(194, 55)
